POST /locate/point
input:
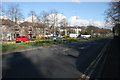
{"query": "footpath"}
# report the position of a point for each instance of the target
(111, 69)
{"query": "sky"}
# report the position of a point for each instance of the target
(78, 11)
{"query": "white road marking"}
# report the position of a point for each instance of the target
(95, 62)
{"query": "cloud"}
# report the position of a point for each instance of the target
(20, 21)
(58, 16)
(29, 19)
(4, 17)
(76, 20)
(73, 20)
(99, 23)
(76, 1)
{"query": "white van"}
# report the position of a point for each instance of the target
(85, 35)
(73, 35)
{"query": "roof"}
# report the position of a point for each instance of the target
(7, 22)
(26, 24)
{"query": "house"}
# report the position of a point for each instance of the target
(68, 30)
(6, 30)
(10, 30)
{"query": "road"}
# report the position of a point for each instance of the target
(70, 60)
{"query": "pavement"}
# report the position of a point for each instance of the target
(111, 68)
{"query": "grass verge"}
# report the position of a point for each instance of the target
(17, 46)
(11, 47)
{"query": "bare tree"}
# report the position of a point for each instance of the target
(34, 19)
(2, 10)
(63, 24)
(113, 16)
(3, 17)
(113, 13)
(53, 20)
(33, 15)
(44, 19)
(14, 13)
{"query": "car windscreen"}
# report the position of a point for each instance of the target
(18, 37)
(24, 37)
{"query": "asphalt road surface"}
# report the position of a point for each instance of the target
(69, 60)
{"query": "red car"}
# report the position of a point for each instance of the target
(22, 39)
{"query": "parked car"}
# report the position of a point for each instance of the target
(46, 37)
(22, 39)
(73, 35)
(78, 36)
(86, 36)
(56, 37)
(34, 37)
(65, 36)
(52, 37)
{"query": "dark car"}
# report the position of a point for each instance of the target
(78, 36)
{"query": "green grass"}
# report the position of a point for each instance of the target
(10, 47)
(51, 42)
(46, 42)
